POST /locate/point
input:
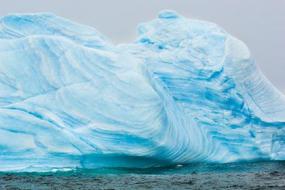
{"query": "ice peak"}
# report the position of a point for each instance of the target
(168, 14)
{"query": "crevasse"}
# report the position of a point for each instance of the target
(185, 91)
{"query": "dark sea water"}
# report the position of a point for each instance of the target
(247, 175)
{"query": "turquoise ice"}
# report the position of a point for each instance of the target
(185, 91)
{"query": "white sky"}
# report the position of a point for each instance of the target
(260, 23)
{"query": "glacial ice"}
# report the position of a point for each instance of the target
(185, 91)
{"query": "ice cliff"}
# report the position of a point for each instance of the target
(184, 91)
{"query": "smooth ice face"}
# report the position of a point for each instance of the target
(185, 91)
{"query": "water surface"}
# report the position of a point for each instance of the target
(247, 175)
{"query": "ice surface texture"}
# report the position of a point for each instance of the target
(184, 91)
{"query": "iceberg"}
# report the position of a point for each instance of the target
(184, 91)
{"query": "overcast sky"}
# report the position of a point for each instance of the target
(260, 23)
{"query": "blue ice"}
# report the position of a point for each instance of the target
(185, 91)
